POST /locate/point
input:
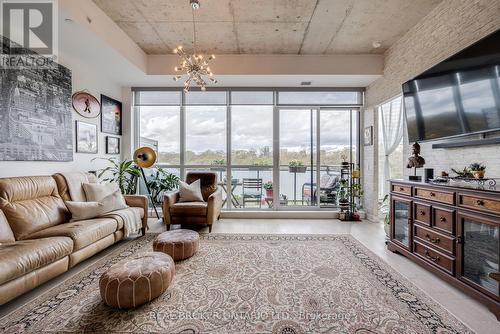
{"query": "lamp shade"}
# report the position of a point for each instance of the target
(144, 157)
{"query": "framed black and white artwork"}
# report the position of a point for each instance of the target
(35, 112)
(86, 137)
(112, 145)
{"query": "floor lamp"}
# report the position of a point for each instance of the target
(145, 157)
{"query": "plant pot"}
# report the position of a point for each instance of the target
(297, 169)
(478, 174)
(344, 164)
(269, 193)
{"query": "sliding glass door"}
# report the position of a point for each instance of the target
(297, 156)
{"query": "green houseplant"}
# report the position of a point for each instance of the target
(124, 173)
(160, 182)
(296, 166)
(269, 189)
(384, 210)
(477, 169)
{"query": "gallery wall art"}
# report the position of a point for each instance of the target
(86, 105)
(112, 145)
(86, 137)
(111, 115)
(35, 113)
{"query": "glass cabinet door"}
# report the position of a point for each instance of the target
(480, 253)
(401, 213)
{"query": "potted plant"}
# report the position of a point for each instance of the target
(477, 169)
(269, 189)
(344, 193)
(218, 162)
(296, 166)
(124, 173)
(160, 182)
(384, 209)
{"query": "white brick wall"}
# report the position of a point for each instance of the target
(449, 28)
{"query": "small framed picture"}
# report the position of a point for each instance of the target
(112, 145)
(368, 136)
(111, 116)
(86, 137)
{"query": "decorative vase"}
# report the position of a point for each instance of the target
(269, 193)
(478, 174)
(355, 173)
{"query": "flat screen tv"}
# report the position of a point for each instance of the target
(457, 97)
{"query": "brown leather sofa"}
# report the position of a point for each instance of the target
(175, 212)
(37, 239)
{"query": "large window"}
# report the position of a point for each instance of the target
(205, 135)
(249, 138)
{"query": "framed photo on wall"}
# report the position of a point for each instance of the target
(368, 136)
(111, 116)
(86, 137)
(112, 145)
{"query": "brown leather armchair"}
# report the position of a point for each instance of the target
(175, 212)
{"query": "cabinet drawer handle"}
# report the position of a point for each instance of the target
(434, 241)
(433, 259)
(480, 202)
(442, 219)
(432, 194)
(401, 189)
(422, 212)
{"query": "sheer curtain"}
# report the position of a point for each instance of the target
(391, 117)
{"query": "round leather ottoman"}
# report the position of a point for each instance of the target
(136, 281)
(179, 244)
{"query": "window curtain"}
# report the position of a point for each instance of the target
(391, 116)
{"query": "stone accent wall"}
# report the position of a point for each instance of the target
(450, 27)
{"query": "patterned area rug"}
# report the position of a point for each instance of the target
(249, 284)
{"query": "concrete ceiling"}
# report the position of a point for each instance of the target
(267, 26)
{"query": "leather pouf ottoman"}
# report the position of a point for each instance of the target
(179, 244)
(136, 281)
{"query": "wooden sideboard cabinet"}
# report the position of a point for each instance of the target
(452, 231)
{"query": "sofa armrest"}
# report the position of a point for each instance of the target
(139, 201)
(214, 206)
(168, 200)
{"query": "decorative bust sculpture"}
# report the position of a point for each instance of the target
(415, 161)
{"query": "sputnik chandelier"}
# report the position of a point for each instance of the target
(195, 65)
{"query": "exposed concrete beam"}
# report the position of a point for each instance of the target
(365, 64)
(86, 13)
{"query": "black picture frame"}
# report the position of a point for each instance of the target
(368, 136)
(109, 148)
(111, 115)
(92, 147)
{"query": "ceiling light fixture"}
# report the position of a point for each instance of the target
(195, 65)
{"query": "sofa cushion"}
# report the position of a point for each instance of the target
(6, 234)
(21, 257)
(190, 192)
(83, 232)
(31, 204)
(96, 192)
(189, 209)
